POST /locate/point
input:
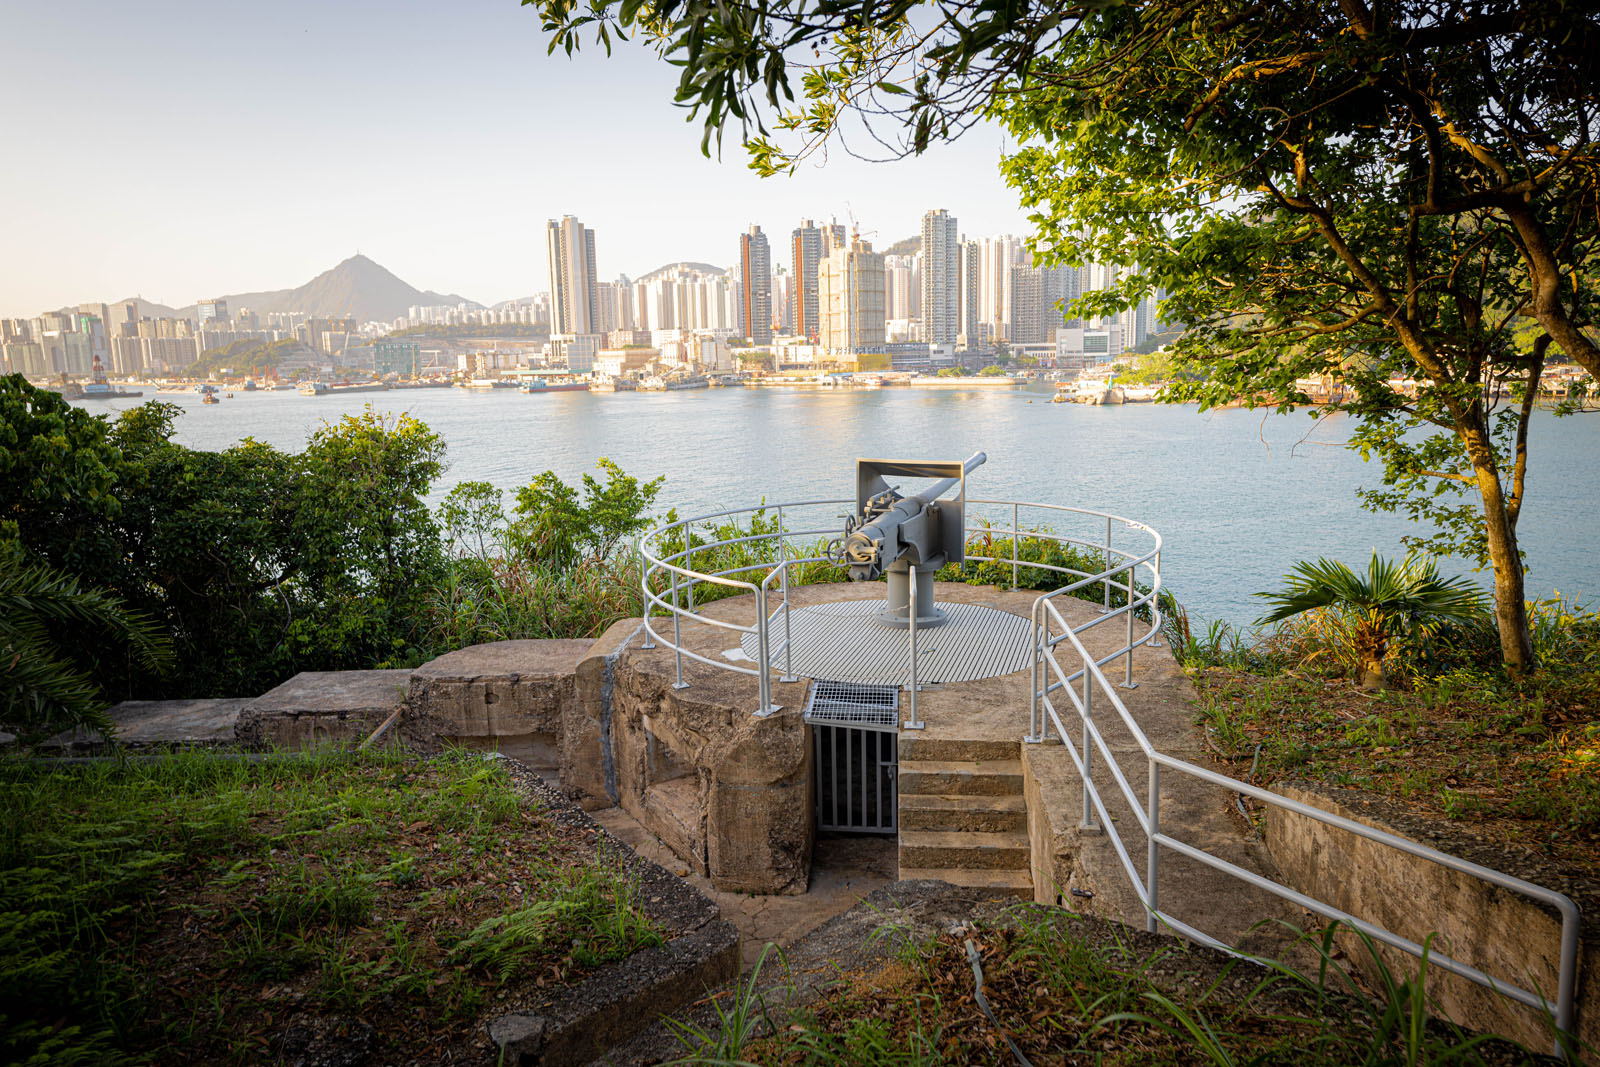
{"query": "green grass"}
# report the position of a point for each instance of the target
(1455, 736)
(182, 910)
(1086, 996)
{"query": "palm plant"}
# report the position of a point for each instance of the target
(43, 688)
(1391, 600)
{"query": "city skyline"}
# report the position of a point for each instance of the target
(290, 139)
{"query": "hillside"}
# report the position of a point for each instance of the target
(907, 247)
(246, 357)
(358, 287)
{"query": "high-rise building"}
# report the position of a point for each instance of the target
(941, 278)
(974, 328)
(833, 237)
(901, 277)
(574, 285)
(755, 276)
(206, 310)
(390, 356)
(806, 243)
(850, 299)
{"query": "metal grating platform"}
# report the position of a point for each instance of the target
(872, 707)
(843, 641)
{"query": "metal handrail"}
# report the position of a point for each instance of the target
(1148, 818)
(1121, 569)
(671, 567)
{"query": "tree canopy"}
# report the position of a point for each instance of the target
(1333, 198)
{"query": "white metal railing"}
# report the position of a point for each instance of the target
(669, 577)
(1051, 632)
(668, 553)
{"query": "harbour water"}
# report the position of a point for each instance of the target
(1239, 496)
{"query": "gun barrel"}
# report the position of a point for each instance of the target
(944, 485)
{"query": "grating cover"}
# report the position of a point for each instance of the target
(844, 640)
(875, 707)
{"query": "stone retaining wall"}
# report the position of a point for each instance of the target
(1500, 932)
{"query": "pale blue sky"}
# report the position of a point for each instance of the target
(178, 149)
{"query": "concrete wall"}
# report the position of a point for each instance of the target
(1500, 932)
(729, 793)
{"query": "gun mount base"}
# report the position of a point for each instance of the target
(895, 611)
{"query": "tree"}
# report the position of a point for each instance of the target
(367, 547)
(1357, 192)
(1391, 600)
(561, 527)
(59, 470)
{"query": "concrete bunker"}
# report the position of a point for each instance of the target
(714, 726)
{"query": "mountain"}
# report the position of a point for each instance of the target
(909, 246)
(358, 288)
(147, 309)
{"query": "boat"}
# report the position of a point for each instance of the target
(99, 389)
(559, 385)
(210, 398)
(698, 381)
(314, 389)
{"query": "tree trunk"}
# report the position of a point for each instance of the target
(1510, 608)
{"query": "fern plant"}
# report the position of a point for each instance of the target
(44, 685)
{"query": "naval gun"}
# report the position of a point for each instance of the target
(893, 533)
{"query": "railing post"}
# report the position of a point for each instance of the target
(688, 565)
(1155, 593)
(911, 615)
(644, 591)
(763, 680)
(1152, 858)
(677, 634)
(1016, 545)
(1088, 822)
(788, 635)
(1127, 678)
(1105, 569)
(1035, 725)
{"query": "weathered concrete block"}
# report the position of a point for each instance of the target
(759, 826)
(586, 760)
(510, 696)
(322, 707)
(730, 793)
(159, 724)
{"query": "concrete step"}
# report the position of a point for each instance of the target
(968, 849)
(934, 812)
(1007, 883)
(916, 746)
(961, 777)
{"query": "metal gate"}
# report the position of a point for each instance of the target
(854, 730)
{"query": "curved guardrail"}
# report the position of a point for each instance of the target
(1052, 631)
(769, 544)
(669, 582)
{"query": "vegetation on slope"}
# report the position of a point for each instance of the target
(244, 357)
(187, 910)
(1059, 990)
